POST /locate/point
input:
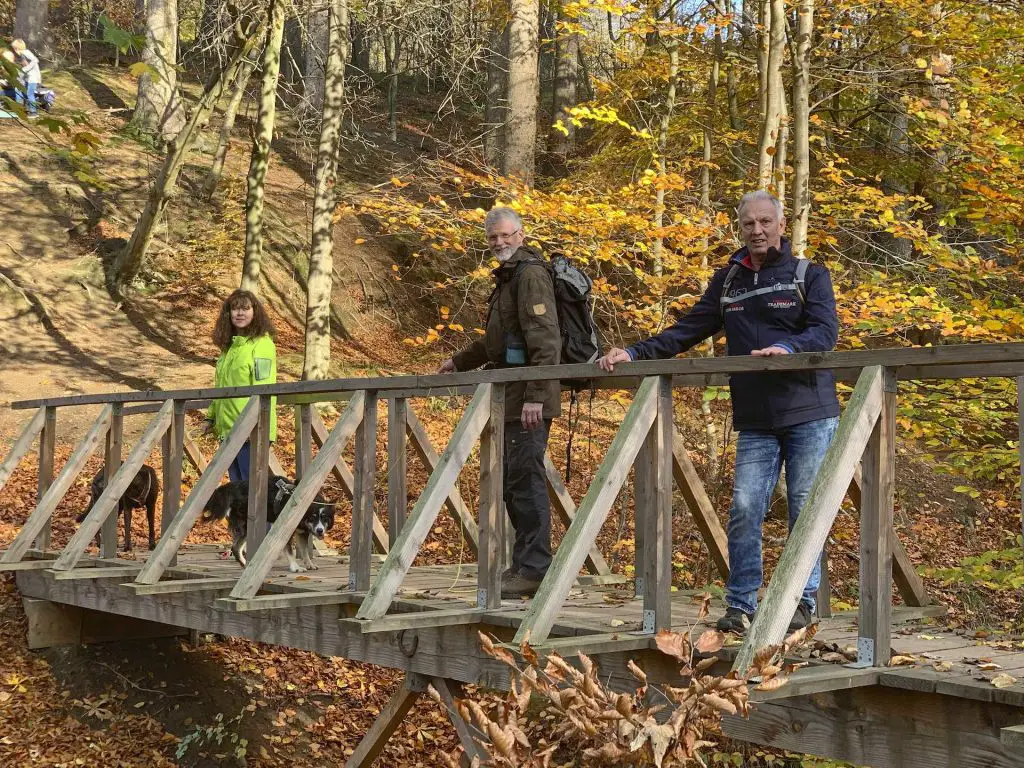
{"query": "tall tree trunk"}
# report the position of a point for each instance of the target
(316, 53)
(30, 24)
(709, 122)
(521, 131)
(158, 109)
(801, 126)
(321, 257)
(564, 92)
(129, 261)
(260, 160)
(217, 169)
(657, 250)
(496, 105)
(773, 96)
(781, 148)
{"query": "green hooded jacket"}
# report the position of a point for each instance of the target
(246, 362)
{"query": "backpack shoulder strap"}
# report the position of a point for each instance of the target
(729, 277)
(799, 277)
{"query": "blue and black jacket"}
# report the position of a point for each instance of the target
(759, 312)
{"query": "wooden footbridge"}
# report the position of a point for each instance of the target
(374, 604)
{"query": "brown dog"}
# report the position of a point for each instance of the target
(141, 492)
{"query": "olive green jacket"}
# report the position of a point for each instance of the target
(522, 313)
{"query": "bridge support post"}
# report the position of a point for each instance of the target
(52, 624)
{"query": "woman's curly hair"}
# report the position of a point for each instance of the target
(224, 330)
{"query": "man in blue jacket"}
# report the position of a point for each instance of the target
(769, 303)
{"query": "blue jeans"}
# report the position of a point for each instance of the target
(759, 458)
(28, 98)
(239, 469)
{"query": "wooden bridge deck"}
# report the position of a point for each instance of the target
(942, 710)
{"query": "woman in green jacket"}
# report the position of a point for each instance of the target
(248, 356)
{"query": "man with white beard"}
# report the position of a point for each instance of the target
(522, 329)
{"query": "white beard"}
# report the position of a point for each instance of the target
(504, 254)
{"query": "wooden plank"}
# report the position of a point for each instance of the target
(173, 459)
(881, 726)
(303, 457)
(259, 466)
(26, 565)
(565, 508)
(700, 506)
(489, 558)
(876, 525)
(398, 494)
(160, 558)
(390, 717)
(21, 446)
(111, 464)
(303, 439)
(592, 645)
(910, 585)
(403, 621)
(40, 517)
(657, 595)
(287, 600)
(106, 504)
(263, 559)
(274, 464)
(450, 691)
(194, 455)
(47, 448)
(109, 572)
(824, 596)
(1013, 738)
(178, 586)
(812, 526)
(427, 507)
(591, 515)
(347, 481)
(363, 513)
(813, 680)
(951, 354)
(456, 507)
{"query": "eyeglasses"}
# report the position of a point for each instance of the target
(494, 237)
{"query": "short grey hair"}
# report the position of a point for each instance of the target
(501, 213)
(759, 196)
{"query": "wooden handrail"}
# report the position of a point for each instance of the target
(962, 359)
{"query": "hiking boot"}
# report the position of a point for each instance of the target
(506, 576)
(518, 586)
(735, 620)
(801, 618)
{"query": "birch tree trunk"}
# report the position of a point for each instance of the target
(496, 105)
(260, 159)
(230, 112)
(657, 249)
(773, 97)
(321, 258)
(158, 109)
(801, 127)
(521, 131)
(129, 261)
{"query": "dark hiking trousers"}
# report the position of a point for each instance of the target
(526, 497)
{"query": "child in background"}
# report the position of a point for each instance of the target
(31, 75)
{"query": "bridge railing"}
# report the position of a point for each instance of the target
(645, 441)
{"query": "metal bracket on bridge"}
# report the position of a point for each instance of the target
(865, 654)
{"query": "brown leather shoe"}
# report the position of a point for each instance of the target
(518, 586)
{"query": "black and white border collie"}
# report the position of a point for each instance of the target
(231, 502)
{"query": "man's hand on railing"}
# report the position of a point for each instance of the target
(533, 415)
(769, 351)
(448, 366)
(615, 355)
